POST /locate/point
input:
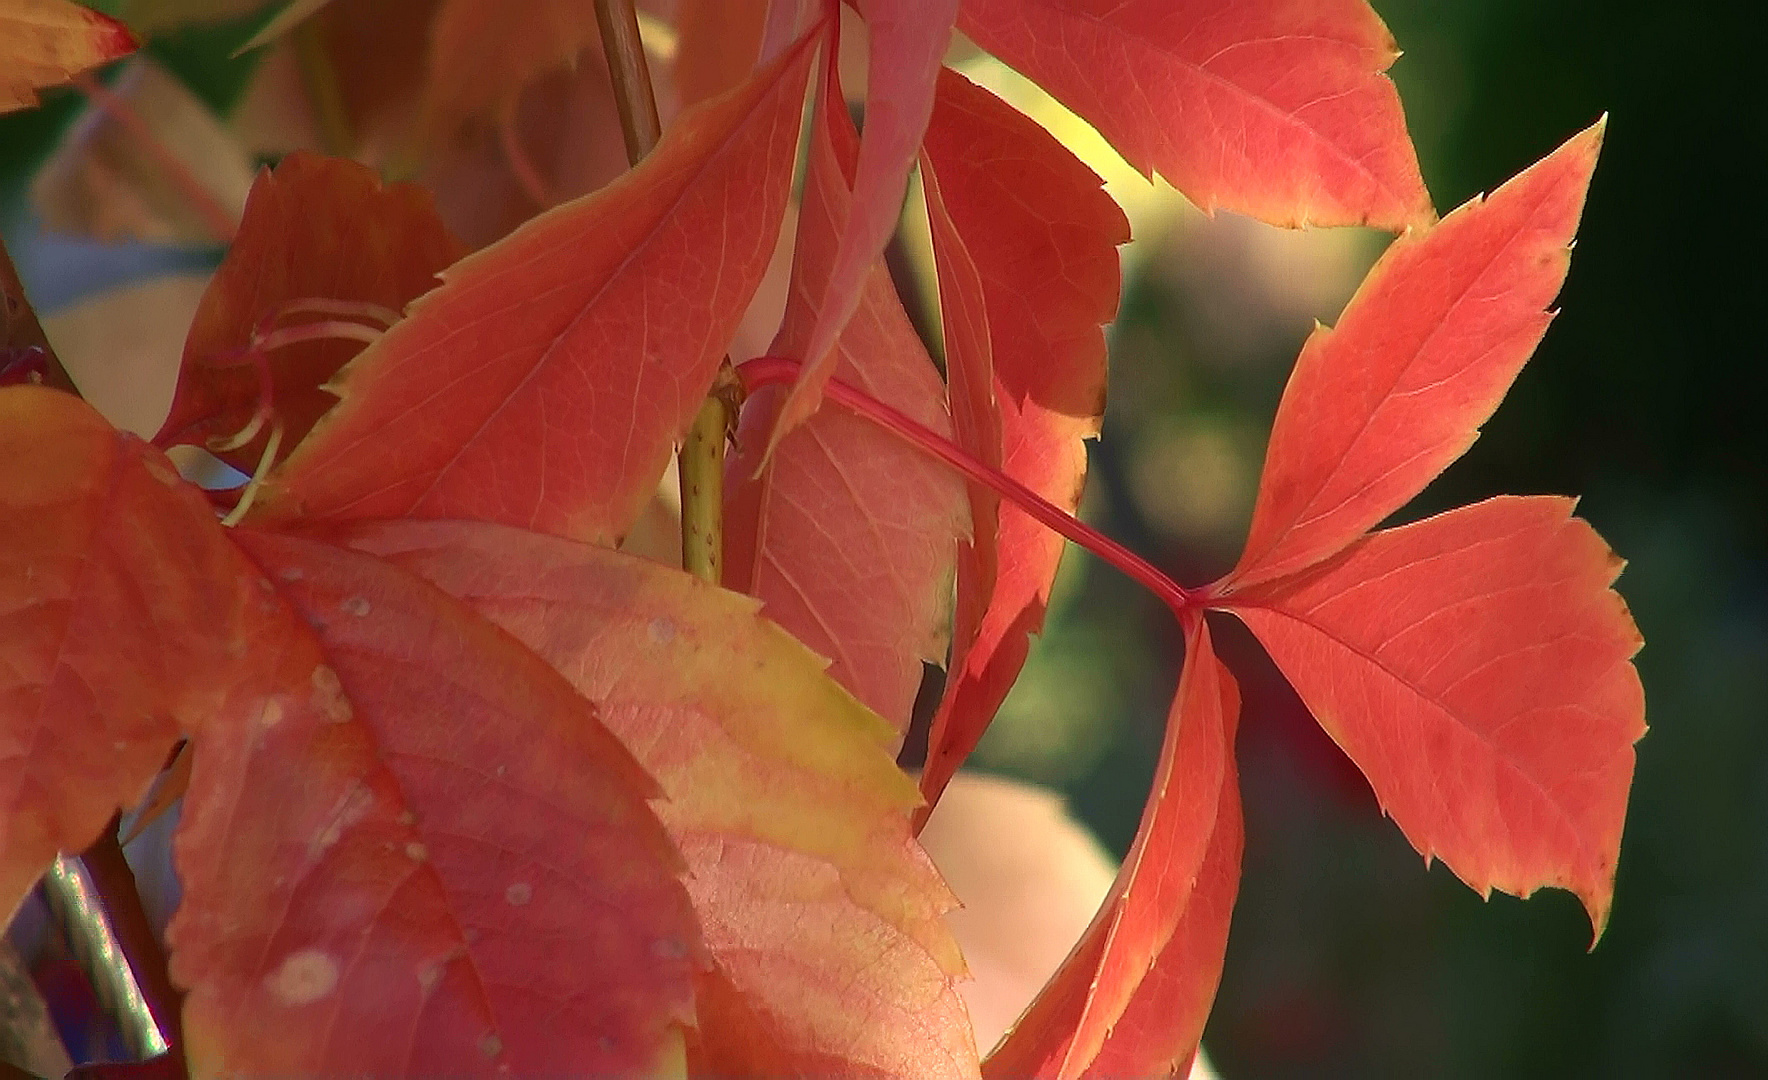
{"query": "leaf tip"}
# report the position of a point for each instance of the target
(1597, 903)
(116, 39)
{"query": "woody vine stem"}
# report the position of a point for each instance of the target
(701, 461)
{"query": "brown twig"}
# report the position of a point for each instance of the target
(618, 20)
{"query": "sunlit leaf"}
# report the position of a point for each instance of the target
(1475, 665)
(848, 534)
(822, 915)
(117, 591)
(1041, 236)
(1423, 353)
(316, 229)
(1272, 108)
(545, 382)
(905, 43)
(1137, 988)
(410, 848)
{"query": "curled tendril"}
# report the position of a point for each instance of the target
(268, 336)
(265, 460)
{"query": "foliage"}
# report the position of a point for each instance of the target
(463, 772)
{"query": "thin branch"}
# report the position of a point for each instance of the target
(115, 882)
(768, 370)
(80, 912)
(701, 461)
(631, 75)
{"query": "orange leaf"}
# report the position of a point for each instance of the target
(1271, 108)
(1137, 988)
(116, 591)
(1159, 1031)
(544, 383)
(1008, 201)
(907, 39)
(410, 848)
(1475, 666)
(847, 534)
(822, 915)
(1421, 357)
(976, 426)
(46, 42)
(315, 228)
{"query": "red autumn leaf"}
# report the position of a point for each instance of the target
(906, 41)
(410, 848)
(1271, 108)
(1042, 236)
(1137, 988)
(1422, 355)
(847, 534)
(46, 42)
(316, 228)
(821, 913)
(1161, 1027)
(976, 425)
(116, 587)
(1475, 666)
(544, 383)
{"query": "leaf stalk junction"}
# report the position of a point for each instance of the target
(772, 370)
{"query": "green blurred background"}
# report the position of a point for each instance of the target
(1648, 398)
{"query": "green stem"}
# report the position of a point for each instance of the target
(701, 462)
(76, 905)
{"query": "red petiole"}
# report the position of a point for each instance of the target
(771, 370)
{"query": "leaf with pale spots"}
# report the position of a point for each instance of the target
(821, 914)
(409, 847)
